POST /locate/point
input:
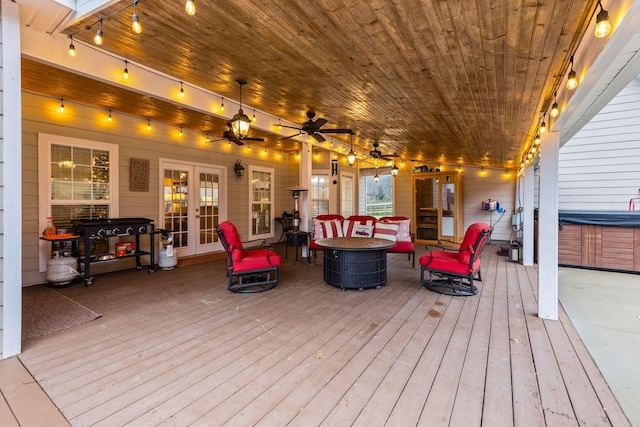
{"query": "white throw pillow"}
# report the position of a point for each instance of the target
(386, 230)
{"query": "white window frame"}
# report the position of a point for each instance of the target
(271, 202)
(45, 141)
(327, 174)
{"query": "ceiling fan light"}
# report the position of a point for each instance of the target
(603, 27)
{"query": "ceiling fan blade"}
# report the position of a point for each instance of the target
(349, 131)
(318, 137)
(319, 123)
(252, 139)
(237, 141)
(291, 136)
(287, 126)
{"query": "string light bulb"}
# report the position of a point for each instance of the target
(125, 72)
(181, 90)
(148, 124)
(253, 119)
(207, 138)
(180, 133)
(61, 105)
(221, 103)
(190, 7)
(537, 139)
(572, 81)
(554, 108)
(72, 48)
(543, 125)
(603, 27)
(99, 36)
(109, 118)
(135, 21)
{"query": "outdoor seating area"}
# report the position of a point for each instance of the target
(394, 228)
(178, 347)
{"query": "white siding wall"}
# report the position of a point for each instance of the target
(494, 185)
(599, 168)
(40, 116)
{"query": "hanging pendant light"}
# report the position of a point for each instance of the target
(543, 125)
(72, 48)
(572, 81)
(240, 122)
(98, 37)
(554, 108)
(190, 7)
(135, 21)
(394, 170)
(603, 27)
(351, 157)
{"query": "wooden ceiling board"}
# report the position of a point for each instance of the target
(454, 81)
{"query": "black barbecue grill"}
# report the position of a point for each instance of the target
(89, 229)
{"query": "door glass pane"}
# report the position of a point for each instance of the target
(176, 205)
(319, 194)
(426, 204)
(346, 196)
(448, 193)
(208, 209)
(261, 202)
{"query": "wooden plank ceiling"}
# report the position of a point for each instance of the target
(447, 81)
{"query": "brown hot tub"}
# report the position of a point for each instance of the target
(606, 240)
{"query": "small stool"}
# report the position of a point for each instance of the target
(296, 238)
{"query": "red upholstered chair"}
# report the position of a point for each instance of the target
(249, 270)
(453, 272)
(404, 240)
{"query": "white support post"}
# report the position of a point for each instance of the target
(527, 215)
(11, 165)
(304, 180)
(548, 228)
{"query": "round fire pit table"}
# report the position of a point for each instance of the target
(355, 262)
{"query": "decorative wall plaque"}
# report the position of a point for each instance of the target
(139, 175)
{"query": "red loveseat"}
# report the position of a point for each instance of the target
(395, 228)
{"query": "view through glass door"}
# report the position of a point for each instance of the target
(192, 196)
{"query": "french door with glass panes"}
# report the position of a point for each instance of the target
(193, 204)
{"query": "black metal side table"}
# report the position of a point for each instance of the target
(287, 225)
(297, 238)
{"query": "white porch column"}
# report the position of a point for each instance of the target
(304, 180)
(527, 215)
(11, 165)
(548, 228)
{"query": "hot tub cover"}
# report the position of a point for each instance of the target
(611, 218)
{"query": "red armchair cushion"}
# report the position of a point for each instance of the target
(470, 238)
(255, 259)
(403, 247)
(444, 261)
(233, 239)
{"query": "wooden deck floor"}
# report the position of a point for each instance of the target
(176, 348)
